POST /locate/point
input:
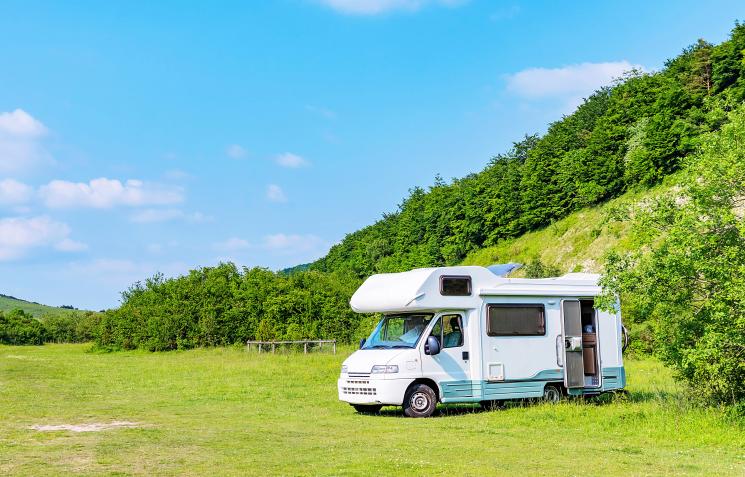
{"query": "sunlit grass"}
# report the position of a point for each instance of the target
(227, 412)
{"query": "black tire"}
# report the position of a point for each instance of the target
(551, 394)
(420, 400)
(367, 408)
(491, 405)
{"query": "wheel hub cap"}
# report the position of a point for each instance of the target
(419, 401)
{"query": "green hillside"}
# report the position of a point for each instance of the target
(576, 243)
(8, 303)
(622, 138)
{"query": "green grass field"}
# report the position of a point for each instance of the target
(228, 412)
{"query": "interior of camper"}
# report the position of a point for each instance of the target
(590, 354)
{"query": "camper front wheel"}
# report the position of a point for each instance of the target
(420, 401)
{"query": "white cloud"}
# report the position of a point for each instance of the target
(376, 7)
(293, 243)
(290, 160)
(275, 193)
(232, 244)
(13, 192)
(570, 83)
(20, 123)
(21, 149)
(148, 216)
(235, 151)
(105, 193)
(18, 235)
(69, 245)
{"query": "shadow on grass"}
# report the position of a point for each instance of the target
(633, 397)
(608, 398)
(459, 409)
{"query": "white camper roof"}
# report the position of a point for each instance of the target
(419, 289)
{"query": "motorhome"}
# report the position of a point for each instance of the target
(469, 334)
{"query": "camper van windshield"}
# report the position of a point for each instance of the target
(398, 331)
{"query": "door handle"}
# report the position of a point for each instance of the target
(573, 343)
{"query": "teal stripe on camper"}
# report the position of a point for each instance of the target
(614, 378)
(469, 390)
(457, 390)
(472, 391)
(513, 390)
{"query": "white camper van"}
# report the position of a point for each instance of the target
(468, 334)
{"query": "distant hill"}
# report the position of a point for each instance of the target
(297, 268)
(8, 303)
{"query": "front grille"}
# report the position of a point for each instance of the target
(357, 381)
(359, 391)
(359, 375)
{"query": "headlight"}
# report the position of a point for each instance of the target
(383, 369)
(344, 369)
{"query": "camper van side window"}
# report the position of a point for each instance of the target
(452, 333)
(455, 285)
(516, 320)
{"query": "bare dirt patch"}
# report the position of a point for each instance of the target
(88, 427)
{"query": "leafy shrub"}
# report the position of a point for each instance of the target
(74, 327)
(19, 328)
(537, 269)
(223, 305)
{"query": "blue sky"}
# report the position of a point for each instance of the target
(138, 137)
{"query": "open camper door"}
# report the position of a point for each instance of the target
(574, 371)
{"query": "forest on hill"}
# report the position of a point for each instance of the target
(623, 139)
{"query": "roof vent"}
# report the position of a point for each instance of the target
(503, 269)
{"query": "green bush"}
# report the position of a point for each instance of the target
(223, 305)
(537, 269)
(19, 328)
(71, 327)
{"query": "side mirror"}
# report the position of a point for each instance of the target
(432, 346)
(362, 342)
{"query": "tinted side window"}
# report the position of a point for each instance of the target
(455, 285)
(516, 320)
(452, 333)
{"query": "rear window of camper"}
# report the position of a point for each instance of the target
(516, 320)
(453, 285)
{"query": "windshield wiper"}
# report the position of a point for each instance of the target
(401, 346)
(378, 347)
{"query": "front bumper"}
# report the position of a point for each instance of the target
(372, 390)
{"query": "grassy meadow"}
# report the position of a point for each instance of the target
(225, 411)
